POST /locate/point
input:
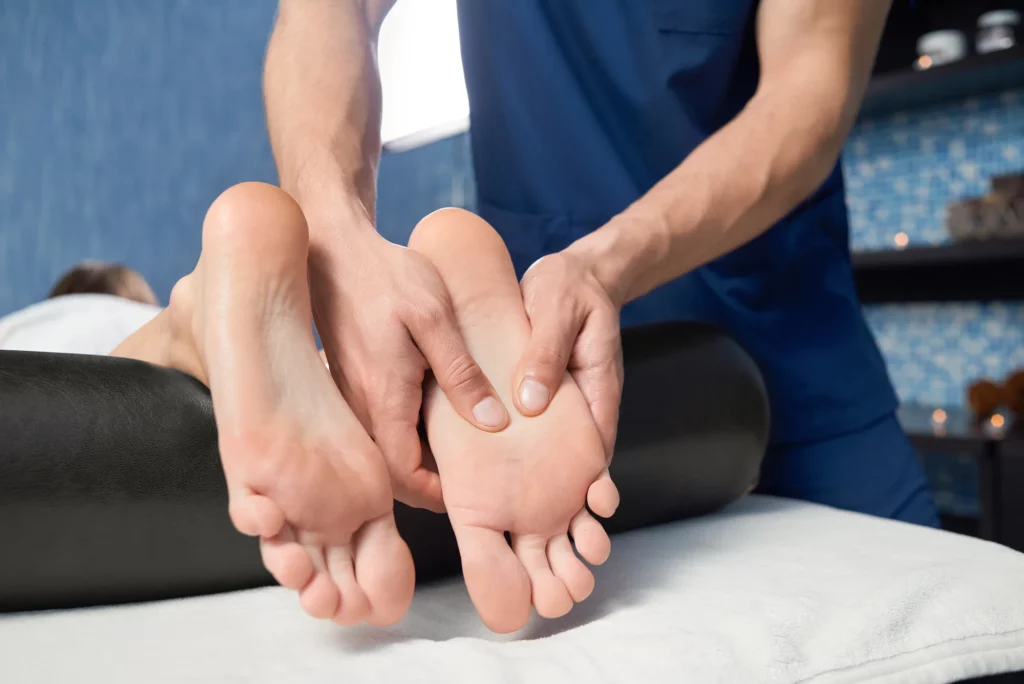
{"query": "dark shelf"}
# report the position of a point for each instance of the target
(973, 75)
(1000, 458)
(972, 271)
(960, 524)
(959, 431)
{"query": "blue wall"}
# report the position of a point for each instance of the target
(120, 121)
(412, 183)
(901, 173)
(902, 170)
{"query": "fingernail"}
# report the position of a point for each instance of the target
(532, 395)
(489, 413)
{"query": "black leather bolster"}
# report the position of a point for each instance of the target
(111, 488)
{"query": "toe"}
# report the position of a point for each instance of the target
(255, 515)
(590, 538)
(354, 606)
(576, 577)
(498, 584)
(550, 597)
(320, 597)
(287, 560)
(384, 570)
(603, 496)
(420, 489)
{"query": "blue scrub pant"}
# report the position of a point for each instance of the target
(834, 472)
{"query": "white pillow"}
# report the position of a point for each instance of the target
(74, 324)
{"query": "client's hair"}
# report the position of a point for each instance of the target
(97, 277)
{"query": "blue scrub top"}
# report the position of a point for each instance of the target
(579, 106)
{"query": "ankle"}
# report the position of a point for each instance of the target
(181, 331)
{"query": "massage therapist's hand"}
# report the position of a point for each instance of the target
(575, 328)
(385, 318)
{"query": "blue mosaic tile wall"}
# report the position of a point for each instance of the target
(935, 350)
(901, 172)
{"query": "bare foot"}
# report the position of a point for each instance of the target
(533, 478)
(302, 473)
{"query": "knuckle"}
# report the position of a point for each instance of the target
(428, 314)
(548, 356)
(462, 374)
(393, 401)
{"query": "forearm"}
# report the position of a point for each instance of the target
(727, 192)
(323, 102)
(816, 61)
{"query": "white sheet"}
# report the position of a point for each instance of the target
(74, 324)
(768, 591)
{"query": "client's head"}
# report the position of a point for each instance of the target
(97, 277)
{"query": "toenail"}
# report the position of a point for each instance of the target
(533, 396)
(489, 413)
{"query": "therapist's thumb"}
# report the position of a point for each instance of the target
(542, 368)
(460, 378)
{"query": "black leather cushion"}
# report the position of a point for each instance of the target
(111, 488)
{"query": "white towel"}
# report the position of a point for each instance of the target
(770, 591)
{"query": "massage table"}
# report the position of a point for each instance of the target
(120, 564)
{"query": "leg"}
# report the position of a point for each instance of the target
(874, 470)
(301, 472)
(534, 478)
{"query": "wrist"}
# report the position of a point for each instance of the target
(621, 255)
(333, 203)
(340, 235)
(338, 223)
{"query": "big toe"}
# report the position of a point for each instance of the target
(384, 570)
(497, 583)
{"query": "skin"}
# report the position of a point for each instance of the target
(323, 113)
(304, 475)
(301, 472)
(533, 478)
(322, 95)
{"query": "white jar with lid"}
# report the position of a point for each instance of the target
(940, 47)
(997, 30)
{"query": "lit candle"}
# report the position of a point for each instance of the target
(995, 425)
